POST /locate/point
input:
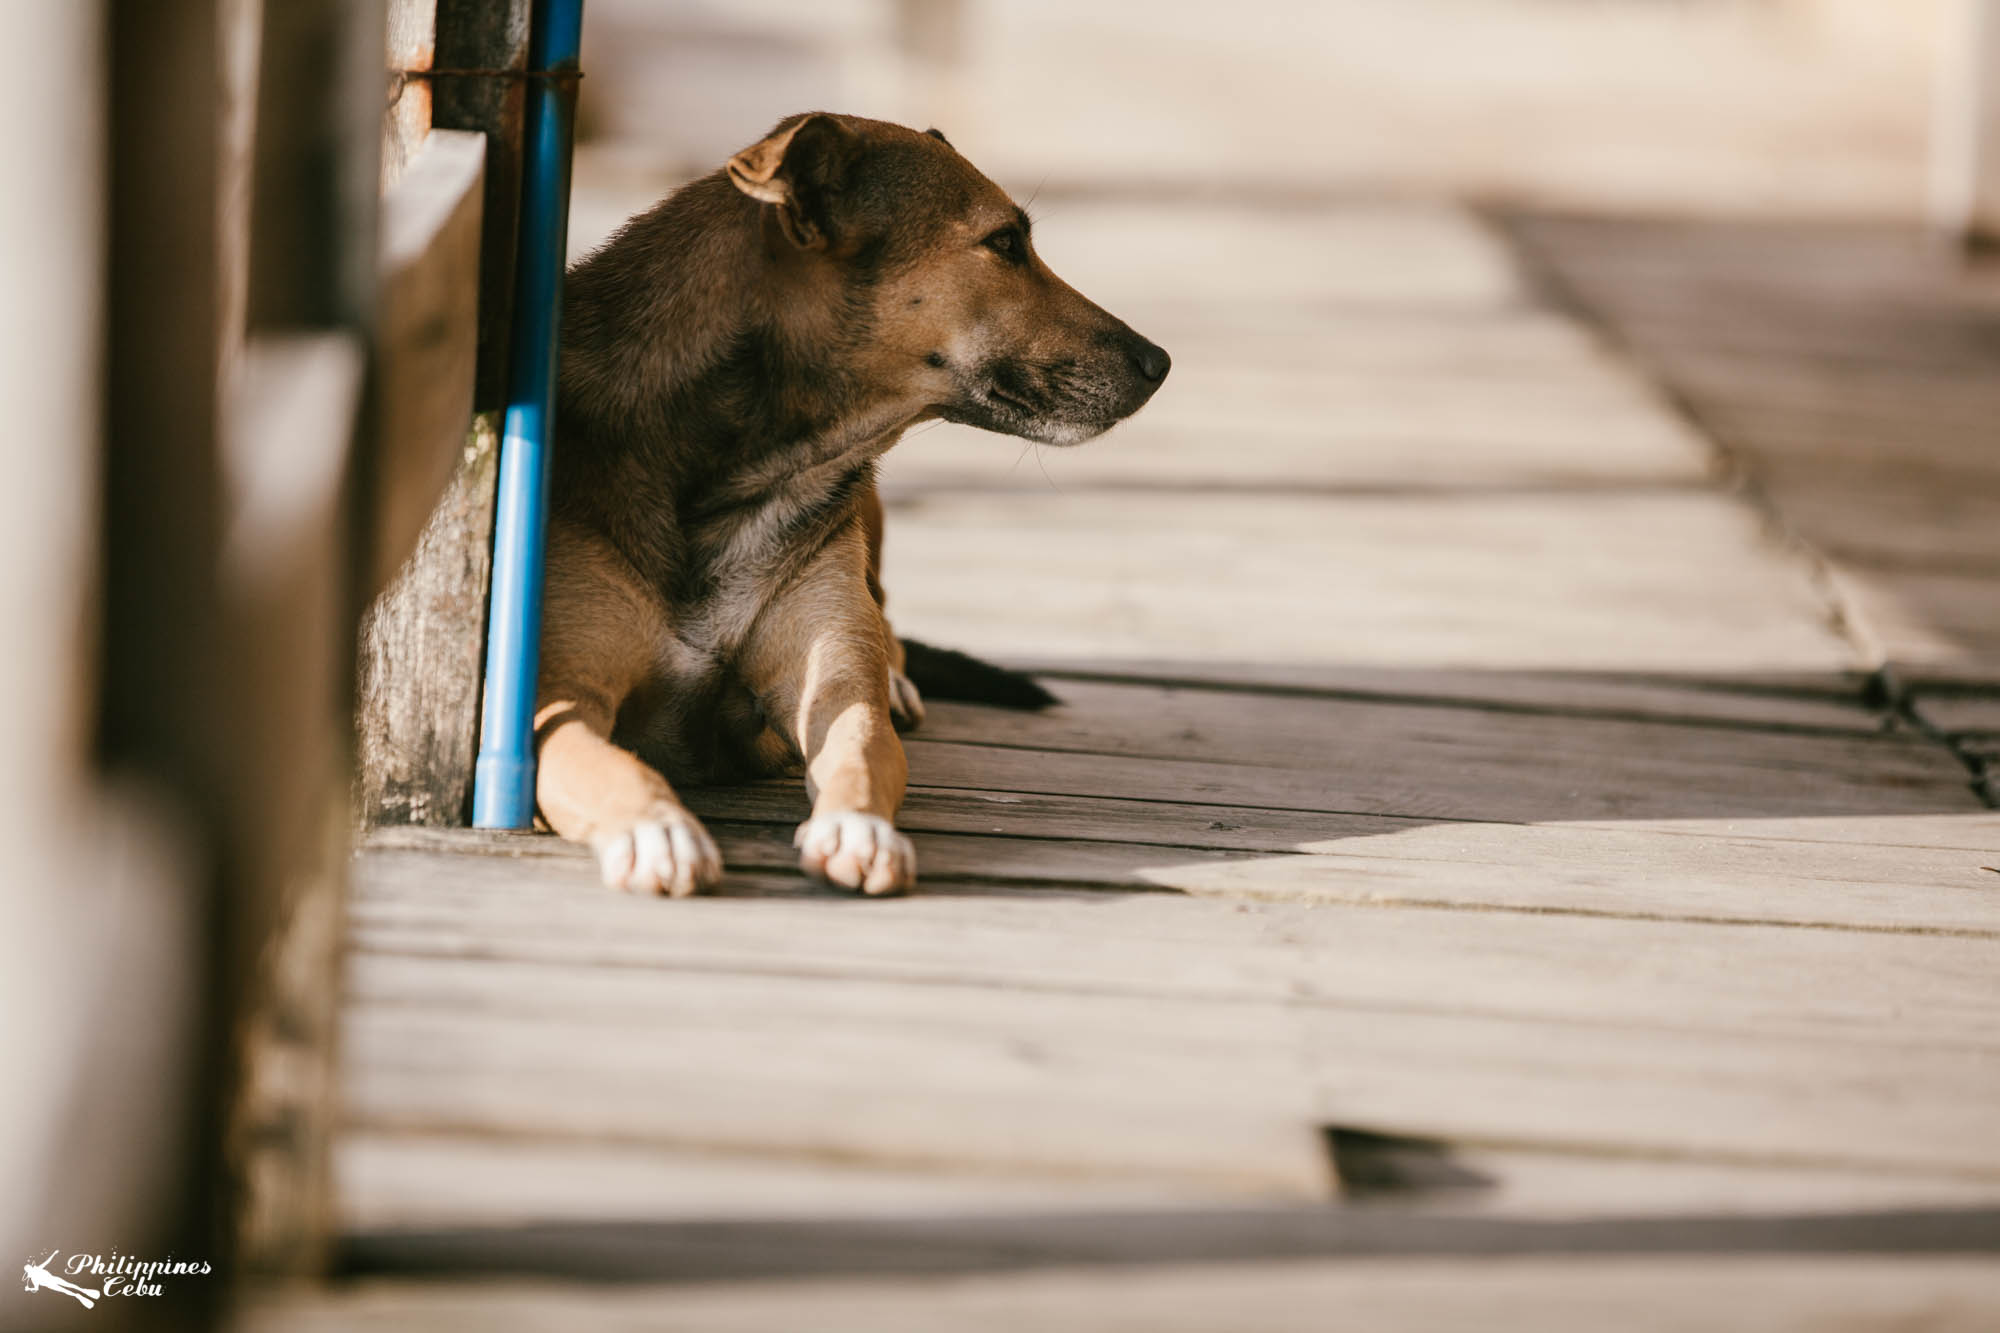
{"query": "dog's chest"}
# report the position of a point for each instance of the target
(726, 557)
(741, 557)
(733, 562)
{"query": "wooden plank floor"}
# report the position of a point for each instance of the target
(1854, 375)
(1474, 876)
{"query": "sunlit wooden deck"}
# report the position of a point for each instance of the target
(1479, 871)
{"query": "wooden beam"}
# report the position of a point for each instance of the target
(489, 35)
(426, 338)
(418, 710)
(424, 639)
(296, 520)
(417, 722)
(293, 421)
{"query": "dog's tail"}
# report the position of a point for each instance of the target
(946, 673)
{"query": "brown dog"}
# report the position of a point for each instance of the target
(733, 362)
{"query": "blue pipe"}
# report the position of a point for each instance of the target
(503, 794)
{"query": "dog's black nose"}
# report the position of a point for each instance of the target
(1153, 361)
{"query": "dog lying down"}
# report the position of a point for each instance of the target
(733, 363)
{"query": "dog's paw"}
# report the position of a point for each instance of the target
(669, 853)
(906, 706)
(857, 851)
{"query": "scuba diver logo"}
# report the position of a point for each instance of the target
(118, 1275)
(39, 1277)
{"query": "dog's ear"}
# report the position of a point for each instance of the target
(799, 168)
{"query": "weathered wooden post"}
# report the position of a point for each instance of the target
(422, 648)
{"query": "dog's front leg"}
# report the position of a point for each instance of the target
(593, 791)
(599, 639)
(906, 705)
(818, 660)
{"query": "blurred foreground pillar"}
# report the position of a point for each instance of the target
(1965, 165)
(107, 1002)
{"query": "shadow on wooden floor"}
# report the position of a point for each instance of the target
(694, 1252)
(1853, 375)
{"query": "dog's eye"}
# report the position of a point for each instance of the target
(1007, 243)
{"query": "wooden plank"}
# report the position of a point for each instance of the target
(1820, 872)
(1917, 523)
(1873, 297)
(426, 336)
(1316, 731)
(1794, 400)
(1652, 788)
(1934, 627)
(1588, 582)
(1829, 701)
(1964, 715)
(1429, 761)
(1695, 975)
(1246, 828)
(1858, 841)
(1852, 372)
(1672, 1013)
(406, 1182)
(434, 1180)
(1515, 1294)
(422, 639)
(422, 650)
(1151, 1085)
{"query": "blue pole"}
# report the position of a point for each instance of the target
(503, 794)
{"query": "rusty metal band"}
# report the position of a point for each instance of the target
(400, 79)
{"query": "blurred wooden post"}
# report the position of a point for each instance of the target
(424, 639)
(298, 471)
(1965, 165)
(106, 814)
(163, 735)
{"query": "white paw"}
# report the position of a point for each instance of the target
(670, 854)
(906, 706)
(858, 851)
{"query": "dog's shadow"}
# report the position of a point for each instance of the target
(1250, 780)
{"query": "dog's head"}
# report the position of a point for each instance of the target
(960, 312)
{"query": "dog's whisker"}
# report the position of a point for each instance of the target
(1029, 206)
(1045, 471)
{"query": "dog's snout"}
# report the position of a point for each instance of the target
(1151, 359)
